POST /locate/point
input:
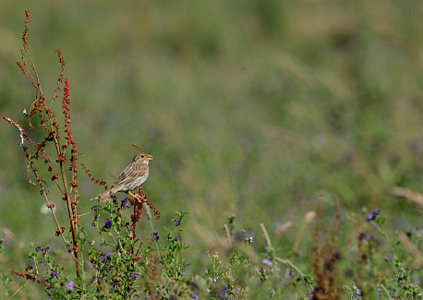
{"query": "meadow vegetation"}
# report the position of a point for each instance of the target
(287, 144)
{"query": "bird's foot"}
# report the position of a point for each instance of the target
(136, 196)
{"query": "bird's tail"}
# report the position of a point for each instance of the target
(106, 195)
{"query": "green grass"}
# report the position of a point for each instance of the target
(252, 108)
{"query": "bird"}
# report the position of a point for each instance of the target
(132, 177)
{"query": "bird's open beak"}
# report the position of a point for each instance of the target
(149, 157)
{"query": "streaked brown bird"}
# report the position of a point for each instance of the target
(134, 175)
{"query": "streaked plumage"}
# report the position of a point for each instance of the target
(134, 175)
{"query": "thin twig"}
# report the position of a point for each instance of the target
(407, 194)
(307, 219)
(55, 218)
(19, 289)
(266, 235)
(228, 234)
(289, 263)
(386, 291)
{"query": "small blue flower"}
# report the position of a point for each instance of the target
(108, 224)
(155, 236)
(94, 208)
(70, 285)
(177, 223)
(38, 248)
(134, 276)
(54, 274)
(112, 287)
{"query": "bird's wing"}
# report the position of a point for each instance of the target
(123, 177)
(131, 172)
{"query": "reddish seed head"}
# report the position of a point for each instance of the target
(27, 19)
(60, 230)
(74, 183)
(61, 158)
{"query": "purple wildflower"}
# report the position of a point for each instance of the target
(357, 292)
(104, 258)
(70, 250)
(38, 248)
(267, 262)
(194, 296)
(112, 287)
(155, 236)
(94, 208)
(54, 274)
(222, 292)
(263, 274)
(108, 224)
(70, 285)
(124, 202)
(373, 215)
(177, 223)
(134, 276)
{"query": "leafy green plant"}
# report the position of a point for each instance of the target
(111, 258)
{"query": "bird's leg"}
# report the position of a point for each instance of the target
(136, 196)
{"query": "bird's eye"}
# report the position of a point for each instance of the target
(142, 156)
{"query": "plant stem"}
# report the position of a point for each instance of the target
(149, 217)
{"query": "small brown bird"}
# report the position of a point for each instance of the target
(134, 175)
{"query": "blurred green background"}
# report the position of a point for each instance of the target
(251, 107)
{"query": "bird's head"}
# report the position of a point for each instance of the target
(143, 158)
